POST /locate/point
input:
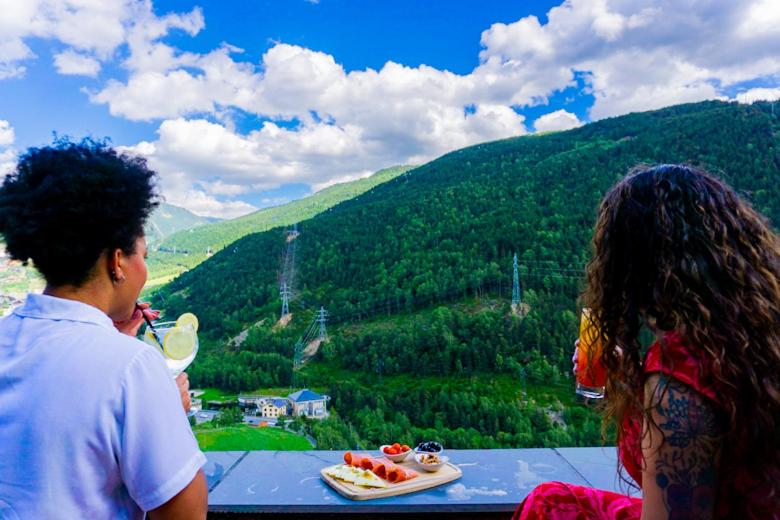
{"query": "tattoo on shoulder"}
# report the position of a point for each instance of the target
(687, 461)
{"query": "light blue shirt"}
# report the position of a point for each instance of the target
(91, 422)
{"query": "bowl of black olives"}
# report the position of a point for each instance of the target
(429, 447)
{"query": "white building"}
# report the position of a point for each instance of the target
(309, 404)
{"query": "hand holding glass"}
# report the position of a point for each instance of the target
(178, 341)
(591, 373)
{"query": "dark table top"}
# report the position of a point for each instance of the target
(493, 481)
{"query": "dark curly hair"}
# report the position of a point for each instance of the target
(67, 203)
(677, 248)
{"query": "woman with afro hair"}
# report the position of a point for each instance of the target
(91, 423)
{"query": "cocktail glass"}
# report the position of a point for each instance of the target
(157, 335)
(591, 373)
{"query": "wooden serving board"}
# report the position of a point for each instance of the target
(423, 480)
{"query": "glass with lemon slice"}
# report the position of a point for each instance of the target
(178, 341)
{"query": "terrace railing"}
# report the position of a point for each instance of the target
(286, 484)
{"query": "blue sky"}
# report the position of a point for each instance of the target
(240, 105)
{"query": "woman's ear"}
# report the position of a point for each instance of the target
(114, 259)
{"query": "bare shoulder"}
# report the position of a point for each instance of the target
(681, 446)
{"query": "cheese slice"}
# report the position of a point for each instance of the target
(344, 472)
(357, 476)
(339, 471)
(367, 478)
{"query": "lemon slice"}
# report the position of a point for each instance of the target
(150, 339)
(188, 319)
(179, 343)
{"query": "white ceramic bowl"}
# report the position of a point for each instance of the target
(431, 468)
(418, 450)
(395, 458)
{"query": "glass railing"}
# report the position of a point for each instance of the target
(492, 484)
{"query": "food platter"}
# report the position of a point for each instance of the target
(419, 480)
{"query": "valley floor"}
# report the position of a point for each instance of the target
(245, 438)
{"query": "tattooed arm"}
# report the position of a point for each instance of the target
(681, 452)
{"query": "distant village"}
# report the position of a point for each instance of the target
(264, 410)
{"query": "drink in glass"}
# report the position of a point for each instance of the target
(591, 373)
(177, 340)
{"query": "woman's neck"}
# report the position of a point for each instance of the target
(88, 293)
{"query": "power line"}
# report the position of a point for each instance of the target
(527, 270)
(284, 293)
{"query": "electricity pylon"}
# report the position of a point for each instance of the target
(322, 317)
(515, 284)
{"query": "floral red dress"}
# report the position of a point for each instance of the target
(739, 496)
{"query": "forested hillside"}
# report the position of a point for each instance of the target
(186, 249)
(445, 233)
(168, 219)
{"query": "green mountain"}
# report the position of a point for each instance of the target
(183, 250)
(168, 219)
(450, 227)
(416, 277)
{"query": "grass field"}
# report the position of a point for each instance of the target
(244, 437)
(212, 394)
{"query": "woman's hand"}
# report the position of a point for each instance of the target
(575, 356)
(131, 325)
(183, 382)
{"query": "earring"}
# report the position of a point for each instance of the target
(117, 279)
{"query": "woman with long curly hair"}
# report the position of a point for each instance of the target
(697, 414)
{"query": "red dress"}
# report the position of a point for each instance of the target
(738, 495)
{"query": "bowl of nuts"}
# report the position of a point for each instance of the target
(430, 462)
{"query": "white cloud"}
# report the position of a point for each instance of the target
(630, 60)
(91, 31)
(220, 188)
(7, 135)
(365, 120)
(631, 54)
(351, 122)
(11, 53)
(7, 152)
(555, 121)
(150, 95)
(643, 54)
(8, 159)
(759, 94)
(71, 62)
(274, 201)
(760, 18)
(207, 206)
(195, 151)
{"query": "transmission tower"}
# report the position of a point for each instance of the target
(515, 284)
(284, 293)
(322, 317)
